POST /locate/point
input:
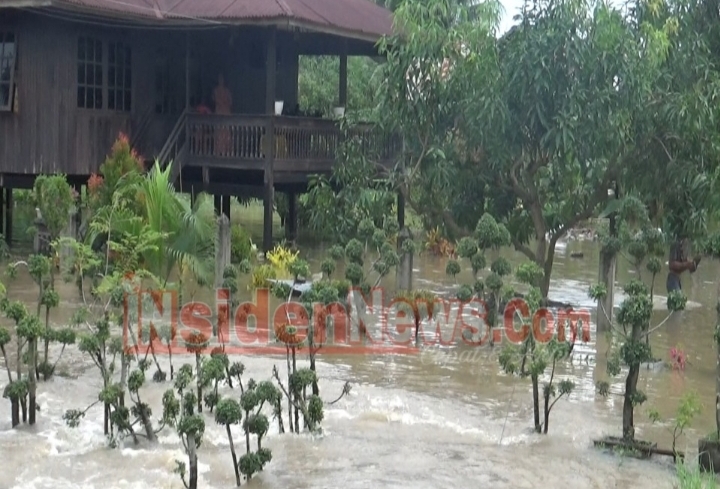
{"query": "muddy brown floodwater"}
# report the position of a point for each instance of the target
(437, 419)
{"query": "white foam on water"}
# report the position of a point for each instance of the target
(43, 482)
(393, 409)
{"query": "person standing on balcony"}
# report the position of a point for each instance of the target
(223, 106)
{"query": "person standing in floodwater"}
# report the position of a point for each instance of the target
(678, 263)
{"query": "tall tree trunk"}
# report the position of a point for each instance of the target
(536, 402)
(147, 424)
(247, 433)
(234, 456)
(295, 397)
(192, 458)
(315, 387)
(290, 403)
(106, 419)
(545, 286)
(124, 369)
(628, 409)
(630, 390)
(15, 412)
(32, 379)
(717, 374)
(548, 259)
(23, 405)
(607, 272)
(199, 385)
(46, 353)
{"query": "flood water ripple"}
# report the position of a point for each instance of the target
(443, 418)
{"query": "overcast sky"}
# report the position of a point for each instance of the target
(512, 8)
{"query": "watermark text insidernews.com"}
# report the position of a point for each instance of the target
(366, 325)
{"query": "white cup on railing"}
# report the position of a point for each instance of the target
(279, 107)
(339, 112)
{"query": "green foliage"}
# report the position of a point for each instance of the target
(179, 412)
(490, 234)
(255, 423)
(688, 407)
(422, 302)
(16, 390)
(318, 84)
(55, 198)
(4, 337)
(711, 245)
(261, 275)
(452, 268)
(356, 251)
(691, 477)
(493, 126)
(531, 360)
(241, 246)
(501, 267)
(467, 247)
(478, 263)
(299, 269)
(635, 313)
(529, 273)
(311, 406)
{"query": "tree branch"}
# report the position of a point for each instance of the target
(523, 194)
(664, 148)
(523, 249)
(441, 215)
(599, 195)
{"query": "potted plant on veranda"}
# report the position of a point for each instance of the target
(709, 446)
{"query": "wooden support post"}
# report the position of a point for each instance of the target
(205, 178)
(9, 215)
(217, 200)
(226, 205)
(291, 222)
(222, 261)
(271, 78)
(606, 276)
(77, 216)
(401, 210)
(404, 271)
(2, 212)
(187, 71)
(342, 89)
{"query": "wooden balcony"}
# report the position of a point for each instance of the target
(301, 145)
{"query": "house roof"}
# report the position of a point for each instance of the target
(356, 18)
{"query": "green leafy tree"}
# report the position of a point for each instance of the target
(676, 139)
(179, 412)
(252, 401)
(27, 330)
(688, 408)
(311, 406)
(318, 85)
(630, 345)
(229, 413)
(55, 199)
(632, 326)
(532, 128)
(489, 235)
(532, 358)
(41, 271)
(320, 307)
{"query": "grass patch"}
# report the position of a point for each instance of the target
(691, 478)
